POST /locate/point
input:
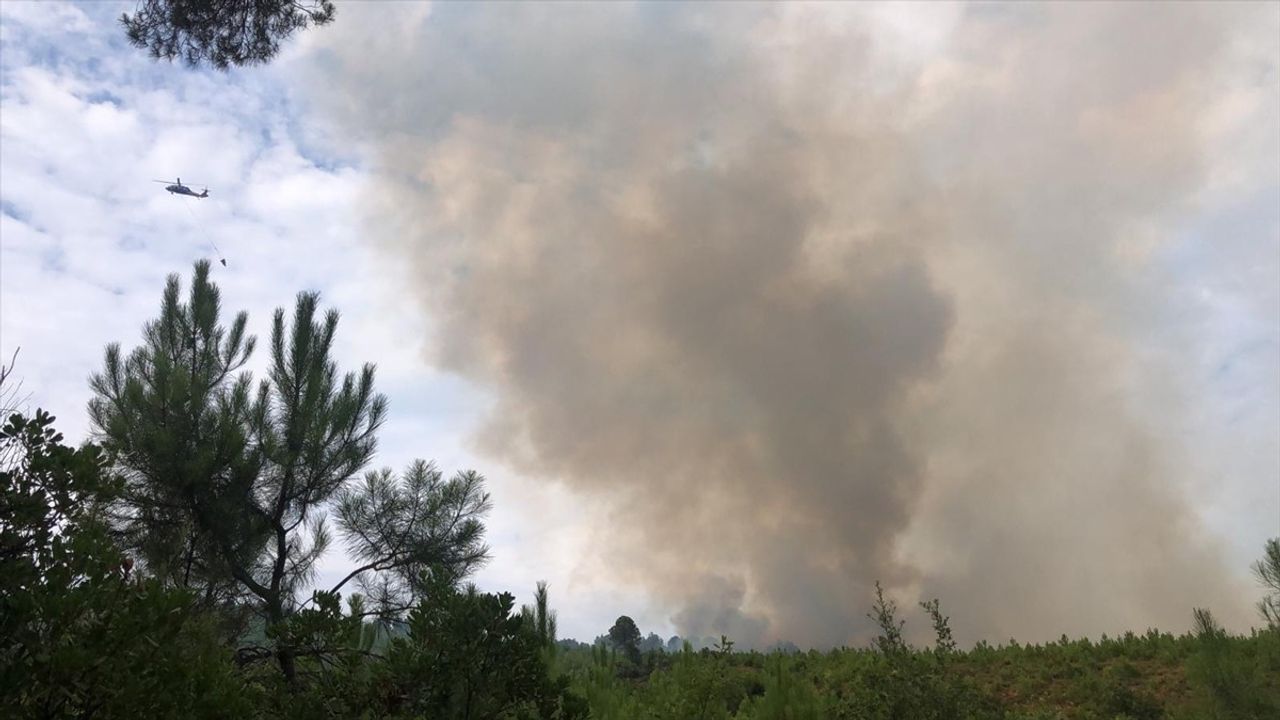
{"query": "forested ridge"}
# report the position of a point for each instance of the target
(167, 568)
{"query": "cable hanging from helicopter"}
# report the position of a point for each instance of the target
(175, 187)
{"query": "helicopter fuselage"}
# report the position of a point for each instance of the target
(184, 190)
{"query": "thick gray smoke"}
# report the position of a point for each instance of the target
(812, 297)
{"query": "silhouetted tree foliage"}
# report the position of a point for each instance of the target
(1235, 678)
(220, 32)
(405, 529)
(468, 655)
(178, 418)
(541, 617)
(943, 642)
(625, 637)
(82, 634)
(11, 396)
(1267, 571)
(461, 655)
(226, 489)
(234, 482)
(651, 643)
(12, 400)
(884, 614)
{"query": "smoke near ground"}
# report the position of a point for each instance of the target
(813, 296)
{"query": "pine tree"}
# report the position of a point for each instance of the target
(412, 531)
(625, 637)
(220, 32)
(1267, 571)
(226, 488)
(541, 617)
(176, 413)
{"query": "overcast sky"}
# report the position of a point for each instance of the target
(314, 162)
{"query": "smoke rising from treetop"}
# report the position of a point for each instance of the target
(815, 296)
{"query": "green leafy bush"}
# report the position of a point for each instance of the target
(83, 634)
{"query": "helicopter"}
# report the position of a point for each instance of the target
(175, 187)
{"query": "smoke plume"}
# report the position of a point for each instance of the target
(815, 296)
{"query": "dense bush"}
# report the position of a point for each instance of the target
(83, 634)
